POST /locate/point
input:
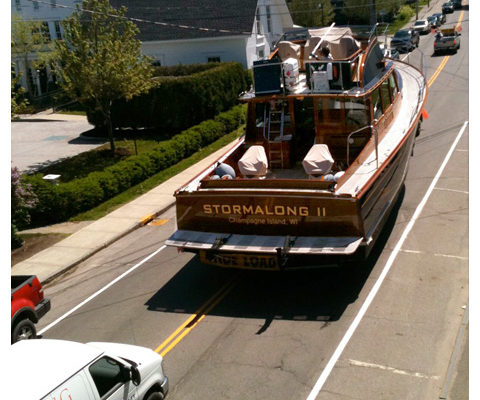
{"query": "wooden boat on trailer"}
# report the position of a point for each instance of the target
(321, 164)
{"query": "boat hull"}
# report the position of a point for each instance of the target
(281, 231)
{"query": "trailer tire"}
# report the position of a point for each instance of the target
(24, 329)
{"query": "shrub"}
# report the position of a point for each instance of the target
(60, 202)
(178, 102)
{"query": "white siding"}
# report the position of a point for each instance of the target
(173, 52)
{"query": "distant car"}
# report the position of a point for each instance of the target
(390, 53)
(441, 18)
(456, 4)
(448, 8)
(422, 26)
(433, 21)
(405, 40)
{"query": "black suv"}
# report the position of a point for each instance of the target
(405, 40)
(456, 4)
(447, 8)
(440, 17)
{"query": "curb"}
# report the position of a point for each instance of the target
(139, 224)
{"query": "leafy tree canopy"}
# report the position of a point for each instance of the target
(311, 13)
(100, 59)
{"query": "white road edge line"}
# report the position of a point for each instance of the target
(451, 190)
(393, 370)
(91, 297)
(348, 334)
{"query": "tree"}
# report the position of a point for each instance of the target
(358, 11)
(18, 103)
(100, 60)
(27, 39)
(311, 13)
(22, 200)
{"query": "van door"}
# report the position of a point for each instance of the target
(77, 387)
(108, 376)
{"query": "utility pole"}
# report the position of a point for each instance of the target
(320, 5)
(416, 9)
(373, 13)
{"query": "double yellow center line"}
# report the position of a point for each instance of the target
(184, 329)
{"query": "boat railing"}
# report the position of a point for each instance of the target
(371, 128)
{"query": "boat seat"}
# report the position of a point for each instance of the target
(254, 162)
(288, 50)
(318, 161)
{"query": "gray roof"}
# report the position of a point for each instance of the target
(234, 16)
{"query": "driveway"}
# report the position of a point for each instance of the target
(44, 138)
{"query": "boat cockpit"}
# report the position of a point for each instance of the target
(313, 117)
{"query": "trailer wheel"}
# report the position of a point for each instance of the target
(25, 329)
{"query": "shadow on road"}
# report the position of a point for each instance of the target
(306, 295)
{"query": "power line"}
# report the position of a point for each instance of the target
(204, 29)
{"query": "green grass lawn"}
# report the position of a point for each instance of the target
(155, 180)
(82, 164)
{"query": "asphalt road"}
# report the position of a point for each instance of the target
(271, 336)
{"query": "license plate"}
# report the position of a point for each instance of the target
(244, 261)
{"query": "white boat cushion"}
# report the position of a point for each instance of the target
(318, 160)
(254, 162)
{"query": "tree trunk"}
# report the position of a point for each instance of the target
(110, 133)
(27, 76)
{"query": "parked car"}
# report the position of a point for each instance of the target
(28, 305)
(390, 53)
(422, 26)
(447, 8)
(405, 40)
(446, 40)
(433, 21)
(50, 369)
(441, 18)
(457, 4)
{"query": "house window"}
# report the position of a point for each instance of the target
(58, 30)
(269, 20)
(18, 6)
(213, 59)
(45, 32)
(259, 26)
(35, 5)
(261, 54)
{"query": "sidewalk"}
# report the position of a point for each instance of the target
(99, 234)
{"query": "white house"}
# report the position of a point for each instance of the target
(51, 14)
(187, 32)
(178, 32)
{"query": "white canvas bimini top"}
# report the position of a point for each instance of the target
(254, 162)
(318, 160)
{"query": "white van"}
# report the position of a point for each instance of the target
(46, 369)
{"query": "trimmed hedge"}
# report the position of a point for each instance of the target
(57, 203)
(183, 70)
(179, 102)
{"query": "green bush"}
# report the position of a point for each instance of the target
(178, 102)
(183, 70)
(60, 202)
(405, 13)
